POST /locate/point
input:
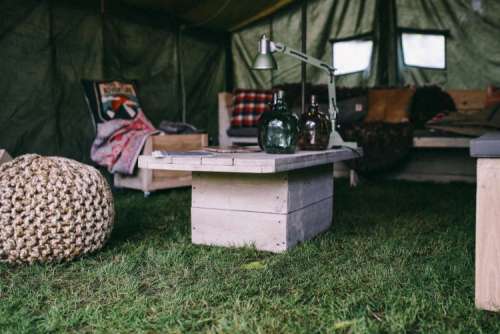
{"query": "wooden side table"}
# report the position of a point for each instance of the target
(266, 200)
(487, 285)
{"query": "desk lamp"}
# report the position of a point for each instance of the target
(265, 61)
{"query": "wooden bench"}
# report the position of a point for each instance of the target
(439, 158)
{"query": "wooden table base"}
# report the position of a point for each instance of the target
(272, 212)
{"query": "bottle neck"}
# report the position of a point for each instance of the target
(280, 105)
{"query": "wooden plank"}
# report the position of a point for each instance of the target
(441, 142)
(437, 165)
(4, 156)
(179, 143)
(148, 180)
(306, 223)
(244, 192)
(253, 162)
(265, 231)
(487, 285)
(309, 185)
(434, 177)
(468, 101)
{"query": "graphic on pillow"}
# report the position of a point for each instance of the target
(109, 100)
(118, 100)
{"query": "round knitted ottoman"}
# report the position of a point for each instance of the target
(52, 209)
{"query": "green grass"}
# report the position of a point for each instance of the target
(399, 258)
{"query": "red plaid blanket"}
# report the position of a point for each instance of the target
(248, 105)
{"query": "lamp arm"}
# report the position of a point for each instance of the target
(332, 95)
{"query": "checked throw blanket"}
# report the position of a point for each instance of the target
(248, 105)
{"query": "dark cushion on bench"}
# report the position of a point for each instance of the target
(242, 132)
(486, 146)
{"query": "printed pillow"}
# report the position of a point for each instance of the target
(248, 105)
(109, 100)
(388, 105)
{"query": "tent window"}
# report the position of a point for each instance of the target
(424, 50)
(352, 55)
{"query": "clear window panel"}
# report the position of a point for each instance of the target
(424, 50)
(352, 56)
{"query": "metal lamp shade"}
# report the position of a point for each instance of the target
(264, 62)
(264, 59)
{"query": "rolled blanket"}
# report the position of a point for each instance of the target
(119, 142)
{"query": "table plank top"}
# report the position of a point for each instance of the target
(259, 162)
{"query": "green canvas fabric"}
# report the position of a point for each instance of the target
(77, 53)
(27, 117)
(205, 66)
(49, 46)
(473, 48)
(473, 51)
(141, 45)
(326, 20)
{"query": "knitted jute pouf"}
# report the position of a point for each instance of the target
(52, 209)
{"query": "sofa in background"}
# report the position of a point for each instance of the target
(433, 155)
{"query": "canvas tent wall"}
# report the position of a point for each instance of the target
(48, 46)
(472, 28)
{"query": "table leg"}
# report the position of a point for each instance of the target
(488, 235)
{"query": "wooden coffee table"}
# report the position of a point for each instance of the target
(270, 201)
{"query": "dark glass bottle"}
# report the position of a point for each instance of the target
(315, 128)
(278, 128)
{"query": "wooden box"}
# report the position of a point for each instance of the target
(272, 212)
(149, 180)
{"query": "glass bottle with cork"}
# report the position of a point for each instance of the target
(315, 128)
(278, 128)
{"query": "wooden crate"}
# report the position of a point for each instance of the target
(149, 180)
(272, 212)
(4, 156)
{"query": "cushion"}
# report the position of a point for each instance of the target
(52, 209)
(108, 100)
(352, 110)
(388, 105)
(248, 105)
(242, 132)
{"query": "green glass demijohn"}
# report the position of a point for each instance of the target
(315, 128)
(278, 128)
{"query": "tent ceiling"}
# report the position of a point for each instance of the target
(216, 14)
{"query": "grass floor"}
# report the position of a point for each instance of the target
(399, 258)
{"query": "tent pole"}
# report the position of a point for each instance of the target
(303, 73)
(180, 65)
